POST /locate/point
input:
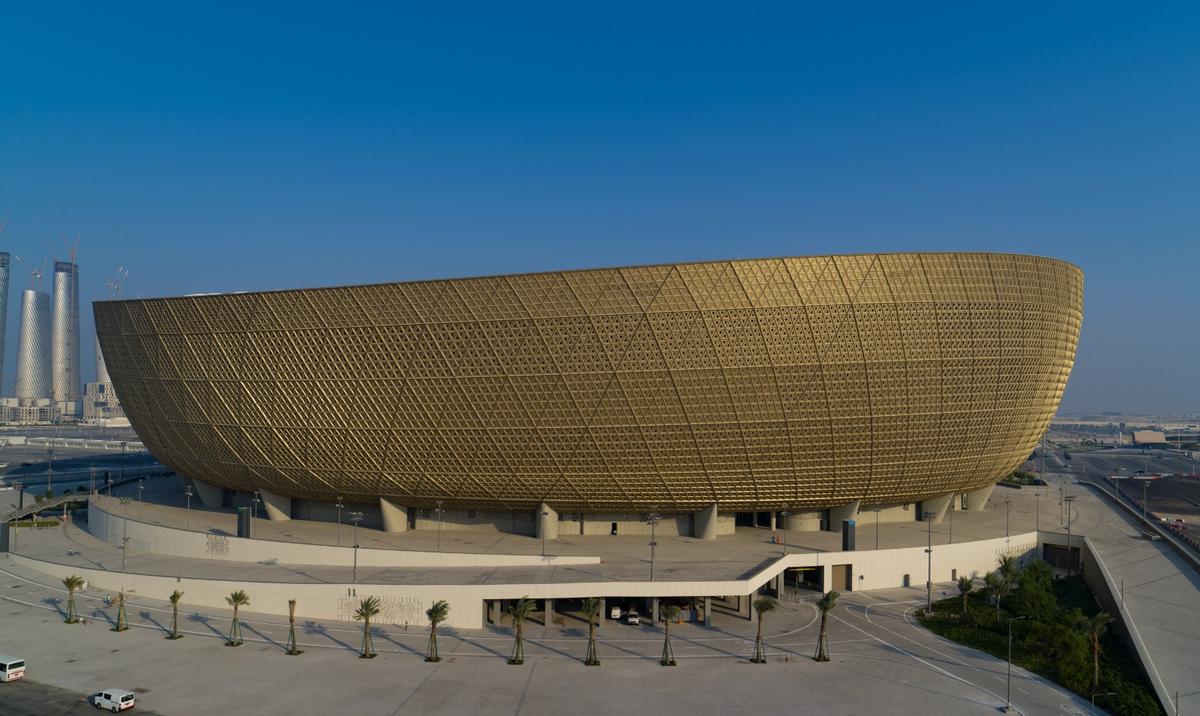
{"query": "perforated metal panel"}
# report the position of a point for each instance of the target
(801, 381)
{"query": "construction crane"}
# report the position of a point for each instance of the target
(117, 282)
(73, 249)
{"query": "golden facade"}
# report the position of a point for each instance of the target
(806, 382)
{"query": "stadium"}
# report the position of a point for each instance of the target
(713, 393)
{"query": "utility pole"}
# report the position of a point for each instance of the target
(1145, 498)
(188, 494)
(929, 563)
(1007, 506)
(876, 511)
(784, 513)
(1008, 697)
(439, 530)
(339, 507)
(355, 517)
(1070, 554)
(652, 519)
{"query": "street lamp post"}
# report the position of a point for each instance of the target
(1110, 693)
(1007, 505)
(1037, 512)
(1008, 696)
(950, 517)
(339, 507)
(1145, 498)
(544, 515)
(50, 470)
(254, 504)
(784, 513)
(652, 519)
(355, 518)
(122, 461)
(92, 481)
(1070, 558)
(439, 530)
(124, 531)
(929, 563)
(141, 487)
(876, 511)
(188, 494)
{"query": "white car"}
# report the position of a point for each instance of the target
(114, 700)
(11, 668)
(614, 613)
(631, 617)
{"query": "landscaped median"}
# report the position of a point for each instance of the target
(1058, 632)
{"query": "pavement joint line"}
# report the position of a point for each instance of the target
(927, 663)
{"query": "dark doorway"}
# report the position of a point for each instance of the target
(810, 578)
(1060, 557)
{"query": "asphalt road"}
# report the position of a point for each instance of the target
(31, 698)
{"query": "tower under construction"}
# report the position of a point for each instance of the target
(64, 340)
(4, 260)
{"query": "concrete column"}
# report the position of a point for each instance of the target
(547, 522)
(497, 611)
(277, 507)
(771, 524)
(708, 611)
(704, 523)
(936, 505)
(211, 496)
(549, 612)
(654, 611)
(395, 517)
(978, 499)
(842, 512)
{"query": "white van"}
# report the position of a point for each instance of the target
(11, 668)
(113, 699)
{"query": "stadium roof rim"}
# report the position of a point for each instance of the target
(594, 269)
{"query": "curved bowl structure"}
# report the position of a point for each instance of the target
(755, 384)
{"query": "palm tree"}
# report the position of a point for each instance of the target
(437, 614)
(175, 597)
(826, 605)
(1007, 568)
(367, 608)
(764, 606)
(519, 611)
(1095, 628)
(121, 624)
(291, 644)
(591, 610)
(236, 600)
(72, 583)
(965, 586)
(670, 612)
(993, 584)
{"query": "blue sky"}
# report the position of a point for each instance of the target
(227, 147)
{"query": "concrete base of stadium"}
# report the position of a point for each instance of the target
(169, 545)
(549, 522)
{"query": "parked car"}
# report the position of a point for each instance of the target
(614, 613)
(631, 617)
(11, 668)
(114, 700)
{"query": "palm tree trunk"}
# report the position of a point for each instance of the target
(822, 648)
(1095, 662)
(518, 652)
(368, 650)
(760, 656)
(433, 648)
(668, 655)
(174, 622)
(592, 659)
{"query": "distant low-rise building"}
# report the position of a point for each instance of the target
(100, 405)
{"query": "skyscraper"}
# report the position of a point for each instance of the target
(4, 257)
(64, 337)
(33, 350)
(101, 369)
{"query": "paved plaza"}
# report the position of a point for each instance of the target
(882, 663)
